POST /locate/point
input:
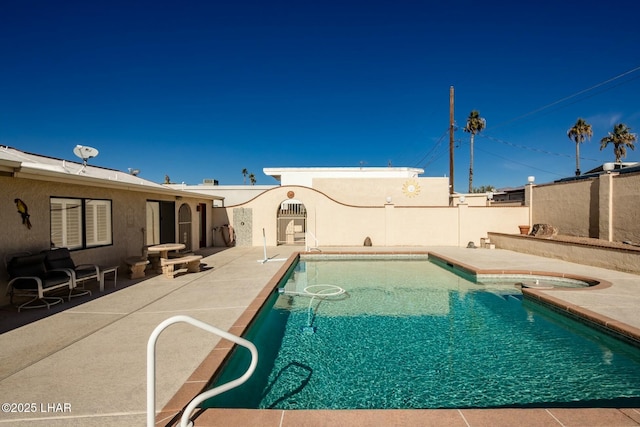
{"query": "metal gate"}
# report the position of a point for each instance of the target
(292, 223)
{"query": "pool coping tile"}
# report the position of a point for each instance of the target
(592, 417)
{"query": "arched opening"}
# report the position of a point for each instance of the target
(184, 225)
(292, 223)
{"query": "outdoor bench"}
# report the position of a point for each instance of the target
(192, 263)
(138, 264)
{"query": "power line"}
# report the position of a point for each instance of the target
(538, 150)
(521, 164)
(570, 97)
(432, 152)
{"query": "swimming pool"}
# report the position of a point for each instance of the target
(410, 334)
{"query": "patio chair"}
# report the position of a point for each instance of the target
(60, 258)
(29, 277)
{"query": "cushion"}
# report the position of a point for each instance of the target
(31, 265)
(54, 278)
(58, 258)
(81, 273)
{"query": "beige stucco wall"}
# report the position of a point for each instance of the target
(626, 208)
(569, 206)
(598, 256)
(337, 224)
(374, 191)
(128, 220)
(588, 207)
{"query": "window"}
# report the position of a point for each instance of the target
(80, 223)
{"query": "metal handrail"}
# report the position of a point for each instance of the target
(151, 368)
(309, 248)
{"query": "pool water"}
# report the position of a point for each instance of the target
(410, 334)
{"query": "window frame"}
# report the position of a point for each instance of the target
(94, 222)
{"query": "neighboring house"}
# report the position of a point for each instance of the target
(308, 176)
(366, 186)
(331, 180)
(228, 195)
(511, 195)
(101, 214)
(622, 167)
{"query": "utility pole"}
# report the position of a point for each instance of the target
(451, 130)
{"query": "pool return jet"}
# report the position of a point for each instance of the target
(314, 291)
(266, 259)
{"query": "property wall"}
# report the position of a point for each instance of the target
(626, 208)
(603, 207)
(610, 257)
(572, 207)
(128, 220)
(337, 224)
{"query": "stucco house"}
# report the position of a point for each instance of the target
(228, 195)
(102, 215)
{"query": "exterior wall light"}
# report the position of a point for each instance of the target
(608, 167)
(531, 179)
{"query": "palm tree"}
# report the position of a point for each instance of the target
(252, 179)
(578, 133)
(621, 138)
(245, 172)
(475, 125)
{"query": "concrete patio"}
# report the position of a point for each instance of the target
(86, 365)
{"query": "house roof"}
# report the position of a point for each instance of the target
(20, 164)
(620, 168)
(341, 172)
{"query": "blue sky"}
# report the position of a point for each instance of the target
(198, 90)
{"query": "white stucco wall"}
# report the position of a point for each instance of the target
(306, 176)
(337, 224)
(376, 191)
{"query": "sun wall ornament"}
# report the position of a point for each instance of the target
(411, 188)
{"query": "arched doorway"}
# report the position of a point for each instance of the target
(184, 225)
(292, 223)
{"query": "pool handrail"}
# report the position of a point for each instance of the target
(151, 367)
(306, 240)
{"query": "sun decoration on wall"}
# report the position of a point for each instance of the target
(411, 188)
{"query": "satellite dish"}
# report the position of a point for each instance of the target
(85, 153)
